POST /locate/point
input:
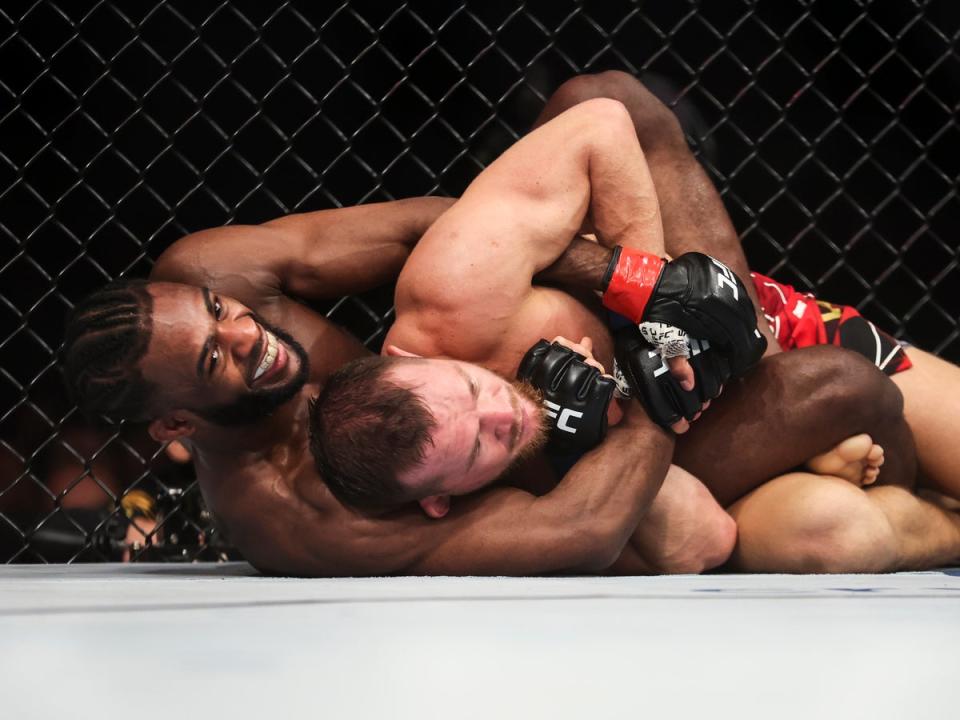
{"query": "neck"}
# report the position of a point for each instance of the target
(216, 445)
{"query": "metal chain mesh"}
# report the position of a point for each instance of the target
(124, 125)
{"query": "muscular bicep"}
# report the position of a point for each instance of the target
(466, 285)
(469, 280)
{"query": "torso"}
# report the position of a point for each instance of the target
(265, 489)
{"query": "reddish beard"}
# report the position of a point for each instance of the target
(539, 437)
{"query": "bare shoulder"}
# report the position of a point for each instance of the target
(294, 526)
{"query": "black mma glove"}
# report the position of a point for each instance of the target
(575, 396)
(648, 378)
(695, 293)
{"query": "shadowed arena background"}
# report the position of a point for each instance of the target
(829, 127)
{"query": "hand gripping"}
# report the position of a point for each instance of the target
(575, 396)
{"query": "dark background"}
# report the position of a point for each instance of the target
(830, 128)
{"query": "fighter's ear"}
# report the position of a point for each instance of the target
(436, 506)
(170, 427)
(394, 351)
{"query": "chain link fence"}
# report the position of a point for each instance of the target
(830, 128)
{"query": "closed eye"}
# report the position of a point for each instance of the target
(475, 453)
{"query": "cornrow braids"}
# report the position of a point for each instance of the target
(106, 336)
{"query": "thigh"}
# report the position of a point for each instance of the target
(806, 523)
(931, 397)
(791, 407)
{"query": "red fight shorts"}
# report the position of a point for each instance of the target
(800, 320)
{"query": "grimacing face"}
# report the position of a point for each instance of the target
(484, 424)
(214, 356)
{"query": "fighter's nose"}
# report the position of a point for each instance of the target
(500, 421)
(241, 336)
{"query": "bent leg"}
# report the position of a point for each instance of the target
(803, 523)
(931, 399)
(791, 407)
(684, 531)
(693, 215)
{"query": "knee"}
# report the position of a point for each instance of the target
(653, 120)
(852, 386)
(720, 548)
(715, 541)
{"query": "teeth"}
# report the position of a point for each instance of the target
(269, 357)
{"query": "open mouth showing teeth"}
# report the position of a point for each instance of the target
(269, 357)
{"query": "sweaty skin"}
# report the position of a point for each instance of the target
(260, 481)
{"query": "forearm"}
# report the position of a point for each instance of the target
(624, 208)
(582, 265)
(418, 214)
(603, 498)
(350, 250)
(692, 212)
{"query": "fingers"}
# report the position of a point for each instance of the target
(680, 426)
(585, 348)
(682, 371)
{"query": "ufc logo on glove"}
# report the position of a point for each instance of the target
(727, 278)
(565, 414)
(575, 396)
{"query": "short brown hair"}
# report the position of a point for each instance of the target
(366, 430)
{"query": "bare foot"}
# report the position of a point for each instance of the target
(857, 460)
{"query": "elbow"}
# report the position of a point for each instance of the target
(598, 547)
(604, 116)
(712, 546)
(655, 124)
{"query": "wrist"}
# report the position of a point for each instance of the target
(630, 280)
